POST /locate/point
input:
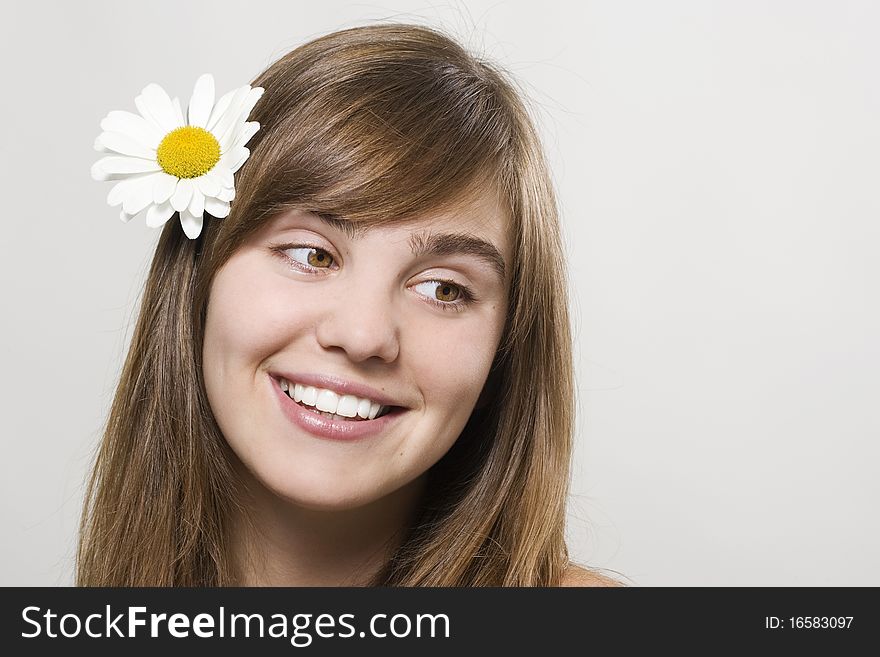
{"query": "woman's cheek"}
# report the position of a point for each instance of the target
(453, 362)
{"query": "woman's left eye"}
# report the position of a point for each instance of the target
(446, 294)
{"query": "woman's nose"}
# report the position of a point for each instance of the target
(360, 320)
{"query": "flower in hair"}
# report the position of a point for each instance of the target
(164, 162)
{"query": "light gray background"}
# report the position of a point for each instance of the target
(717, 166)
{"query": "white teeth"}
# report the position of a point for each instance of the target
(309, 395)
(327, 401)
(348, 406)
(331, 404)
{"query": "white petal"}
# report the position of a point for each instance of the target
(244, 155)
(125, 216)
(159, 214)
(99, 145)
(197, 204)
(240, 134)
(120, 190)
(234, 159)
(248, 130)
(192, 224)
(178, 113)
(250, 102)
(114, 167)
(222, 175)
(126, 145)
(227, 135)
(144, 108)
(202, 100)
(139, 195)
(160, 107)
(230, 116)
(181, 197)
(123, 188)
(216, 208)
(134, 126)
(225, 195)
(207, 185)
(163, 187)
(220, 109)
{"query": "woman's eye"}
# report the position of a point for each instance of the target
(444, 291)
(311, 256)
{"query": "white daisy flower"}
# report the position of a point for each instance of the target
(166, 164)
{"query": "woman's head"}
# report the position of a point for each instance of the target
(414, 312)
(410, 172)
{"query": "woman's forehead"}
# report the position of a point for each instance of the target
(482, 217)
(480, 213)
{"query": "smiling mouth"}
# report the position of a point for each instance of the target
(335, 416)
(383, 410)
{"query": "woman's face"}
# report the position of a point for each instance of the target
(387, 310)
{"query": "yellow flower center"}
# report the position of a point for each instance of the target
(188, 152)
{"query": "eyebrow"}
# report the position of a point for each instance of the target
(426, 243)
(423, 244)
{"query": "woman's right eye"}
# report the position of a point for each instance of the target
(310, 256)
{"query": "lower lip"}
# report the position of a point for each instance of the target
(326, 427)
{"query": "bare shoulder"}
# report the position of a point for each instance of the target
(577, 576)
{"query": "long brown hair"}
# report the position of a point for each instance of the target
(376, 125)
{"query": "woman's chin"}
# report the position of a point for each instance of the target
(335, 493)
(316, 493)
(322, 500)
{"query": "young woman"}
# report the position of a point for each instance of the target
(363, 374)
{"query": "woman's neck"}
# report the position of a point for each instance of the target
(281, 544)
